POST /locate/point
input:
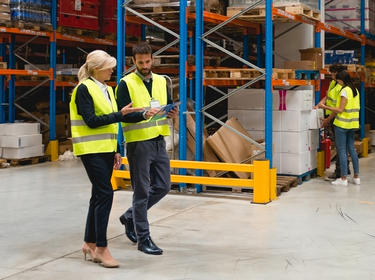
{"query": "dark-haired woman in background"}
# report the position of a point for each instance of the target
(345, 124)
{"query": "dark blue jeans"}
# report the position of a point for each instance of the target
(344, 144)
(99, 168)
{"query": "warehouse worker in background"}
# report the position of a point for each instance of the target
(145, 145)
(331, 100)
(94, 123)
(345, 124)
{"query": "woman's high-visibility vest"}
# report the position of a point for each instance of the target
(349, 118)
(332, 95)
(88, 140)
(140, 97)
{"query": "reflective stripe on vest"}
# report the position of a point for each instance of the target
(93, 138)
(88, 140)
(140, 97)
(332, 96)
(349, 118)
(144, 125)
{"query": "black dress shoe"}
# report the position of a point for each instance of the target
(148, 246)
(129, 229)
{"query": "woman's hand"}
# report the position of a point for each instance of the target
(129, 109)
(117, 161)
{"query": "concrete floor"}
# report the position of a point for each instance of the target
(315, 231)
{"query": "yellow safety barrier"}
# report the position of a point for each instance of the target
(53, 150)
(263, 182)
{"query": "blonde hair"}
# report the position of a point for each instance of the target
(96, 60)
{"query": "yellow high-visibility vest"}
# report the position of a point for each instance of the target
(332, 95)
(88, 140)
(140, 97)
(349, 118)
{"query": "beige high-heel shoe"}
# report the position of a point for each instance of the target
(87, 251)
(108, 264)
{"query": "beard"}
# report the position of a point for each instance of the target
(144, 72)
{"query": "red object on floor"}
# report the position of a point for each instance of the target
(325, 145)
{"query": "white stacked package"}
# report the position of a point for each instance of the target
(21, 140)
(295, 150)
(346, 14)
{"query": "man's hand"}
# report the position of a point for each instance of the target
(173, 113)
(117, 161)
(129, 109)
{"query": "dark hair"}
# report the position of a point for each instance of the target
(336, 68)
(348, 82)
(142, 48)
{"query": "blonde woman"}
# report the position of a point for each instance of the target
(94, 123)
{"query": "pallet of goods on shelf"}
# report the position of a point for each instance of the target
(78, 17)
(258, 13)
(5, 12)
(347, 15)
(34, 15)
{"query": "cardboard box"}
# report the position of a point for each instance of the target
(19, 128)
(257, 135)
(291, 142)
(300, 65)
(295, 120)
(11, 141)
(231, 147)
(316, 117)
(313, 159)
(250, 99)
(314, 54)
(292, 164)
(25, 152)
(65, 146)
(314, 139)
(255, 119)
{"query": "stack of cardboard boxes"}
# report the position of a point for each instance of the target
(20, 140)
(294, 143)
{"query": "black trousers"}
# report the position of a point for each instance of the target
(99, 168)
(150, 178)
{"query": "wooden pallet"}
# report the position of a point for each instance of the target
(78, 32)
(283, 74)
(231, 73)
(157, 11)
(284, 183)
(27, 161)
(32, 26)
(259, 13)
(67, 78)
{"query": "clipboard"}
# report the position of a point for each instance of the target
(164, 110)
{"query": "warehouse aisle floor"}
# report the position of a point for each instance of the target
(315, 231)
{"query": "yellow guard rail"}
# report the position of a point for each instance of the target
(263, 182)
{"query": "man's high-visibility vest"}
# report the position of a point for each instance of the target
(140, 97)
